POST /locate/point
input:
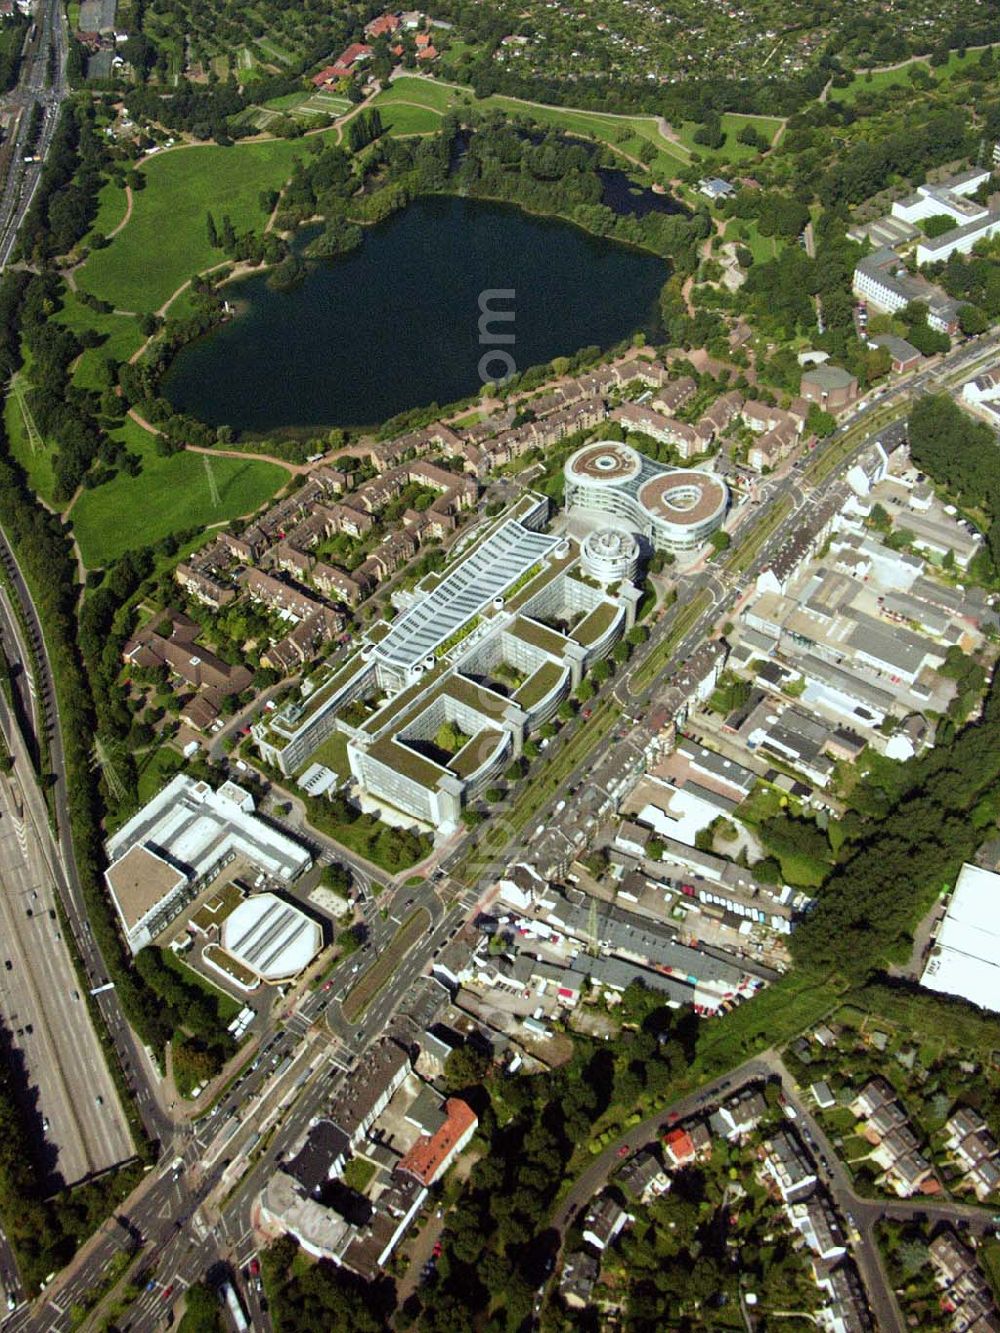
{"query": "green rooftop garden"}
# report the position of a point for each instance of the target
(538, 685)
(597, 623)
(475, 753)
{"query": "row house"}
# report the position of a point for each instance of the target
(739, 1116)
(974, 1149)
(334, 582)
(966, 1294)
(386, 454)
(605, 1220)
(429, 523)
(846, 1309)
(673, 394)
(643, 1176)
(714, 420)
(346, 518)
(637, 416)
(761, 417)
(785, 1161)
(547, 430)
(392, 552)
(651, 373)
(205, 585)
(247, 546)
(894, 1142)
(815, 1219)
(288, 598)
(688, 1143)
(291, 560)
(333, 480)
(316, 527)
(769, 449)
(459, 491)
(303, 643)
(599, 383)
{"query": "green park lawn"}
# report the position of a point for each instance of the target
(731, 150)
(166, 240)
(111, 208)
(170, 495)
(880, 79)
(121, 338)
(37, 463)
(439, 97)
(628, 134)
(400, 119)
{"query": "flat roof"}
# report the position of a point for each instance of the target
(270, 937)
(538, 684)
(683, 498)
(595, 623)
(608, 461)
(965, 959)
(139, 881)
(486, 572)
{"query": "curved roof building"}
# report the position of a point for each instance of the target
(677, 510)
(270, 937)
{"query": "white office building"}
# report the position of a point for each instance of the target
(179, 841)
(677, 510)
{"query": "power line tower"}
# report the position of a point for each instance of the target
(17, 389)
(103, 760)
(213, 488)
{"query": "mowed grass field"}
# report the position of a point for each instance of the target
(880, 79)
(166, 240)
(170, 495)
(627, 134)
(112, 206)
(37, 463)
(121, 338)
(400, 119)
(732, 150)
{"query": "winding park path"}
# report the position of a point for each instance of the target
(296, 469)
(128, 214)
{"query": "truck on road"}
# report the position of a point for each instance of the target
(229, 1298)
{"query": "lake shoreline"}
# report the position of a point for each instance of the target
(604, 290)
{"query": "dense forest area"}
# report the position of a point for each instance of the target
(960, 455)
(912, 826)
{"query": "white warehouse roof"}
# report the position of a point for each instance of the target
(178, 841)
(194, 828)
(965, 959)
(271, 937)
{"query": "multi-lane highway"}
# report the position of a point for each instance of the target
(76, 1107)
(33, 89)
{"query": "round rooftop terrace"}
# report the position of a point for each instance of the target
(684, 499)
(605, 463)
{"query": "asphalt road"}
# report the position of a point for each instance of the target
(23, 177)
(53, 1039)
(33, 658)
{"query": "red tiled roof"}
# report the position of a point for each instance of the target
(384, 23)
(679, 1144)
(429, 1155)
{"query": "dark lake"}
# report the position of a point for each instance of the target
(622, 195)
(395, 324)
